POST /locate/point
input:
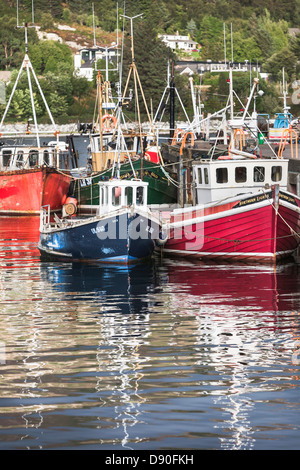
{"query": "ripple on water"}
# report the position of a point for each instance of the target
(166, 355)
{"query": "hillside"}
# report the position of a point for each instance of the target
(267, 35)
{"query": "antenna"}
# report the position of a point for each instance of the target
(25, 25)
(137, 83)
(94, 25)
(32, 16)
(225, 46)
(32, 7)
(131, 18)
(106, 52)
(231, 44)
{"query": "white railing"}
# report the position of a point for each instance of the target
(44, 217)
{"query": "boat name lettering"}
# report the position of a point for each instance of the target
(126, 175)
(151, 174)
(98, 229)
(288, 198)
(148, 173)
(85, 182)
(252, 200)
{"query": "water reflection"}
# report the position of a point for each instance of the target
(166, 354)
(248, 324)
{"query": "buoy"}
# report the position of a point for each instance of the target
(109, 117)
(70, 206)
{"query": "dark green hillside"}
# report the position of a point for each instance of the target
(263, 32)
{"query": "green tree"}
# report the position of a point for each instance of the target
(272, 35)
(211, 38)
(244, 48)
(21, 107)
(58, 105)
(47, 56)
(46, 21)
(53, 7)
(151, 58)
(191, 28)
(284, 58)
(12, 43)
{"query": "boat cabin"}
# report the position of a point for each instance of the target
(103, 159)
(116, 193)
(23, 157)
(219, 179)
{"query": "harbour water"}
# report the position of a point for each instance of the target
(165, 355)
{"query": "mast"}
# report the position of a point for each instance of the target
(26, 64)
(172, 103)
(284, 90)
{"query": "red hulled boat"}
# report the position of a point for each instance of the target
(25, 191)
(32, 175)
(241, 207)
(246, 213)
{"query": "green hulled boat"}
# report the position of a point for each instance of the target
(161, 189)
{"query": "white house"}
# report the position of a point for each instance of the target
(177, 41)
(86, 58)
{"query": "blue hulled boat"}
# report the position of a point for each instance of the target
(123, 231)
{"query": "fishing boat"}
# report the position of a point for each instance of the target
(30, 177)
(139, 152)
(31, 174)
(241, 208)
(123, 231)
(161, 189)
(283, 127)
(242, 212)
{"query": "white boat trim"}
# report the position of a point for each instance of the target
(228, 253)
(220, 215)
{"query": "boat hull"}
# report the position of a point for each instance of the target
(24, 192)
(261, 227)
(122, 238)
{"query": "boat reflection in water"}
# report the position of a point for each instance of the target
(165, 354)
(122, 289)
(247, 321)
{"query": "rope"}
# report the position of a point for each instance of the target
(291, 229)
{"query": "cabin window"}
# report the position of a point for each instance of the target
(128, 196)
(116, 196)
(222, 175)
(6, 154)
(199, 176)
(276, 173)
(20, 159)
(139, 196)
(259, 174)
(205, 175)
(240, 174)
(33, 158)
(46, 157)
(104, 195)
(101, 196)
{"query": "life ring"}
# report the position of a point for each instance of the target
(109, 117)
(70, 206)
(147, 156)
